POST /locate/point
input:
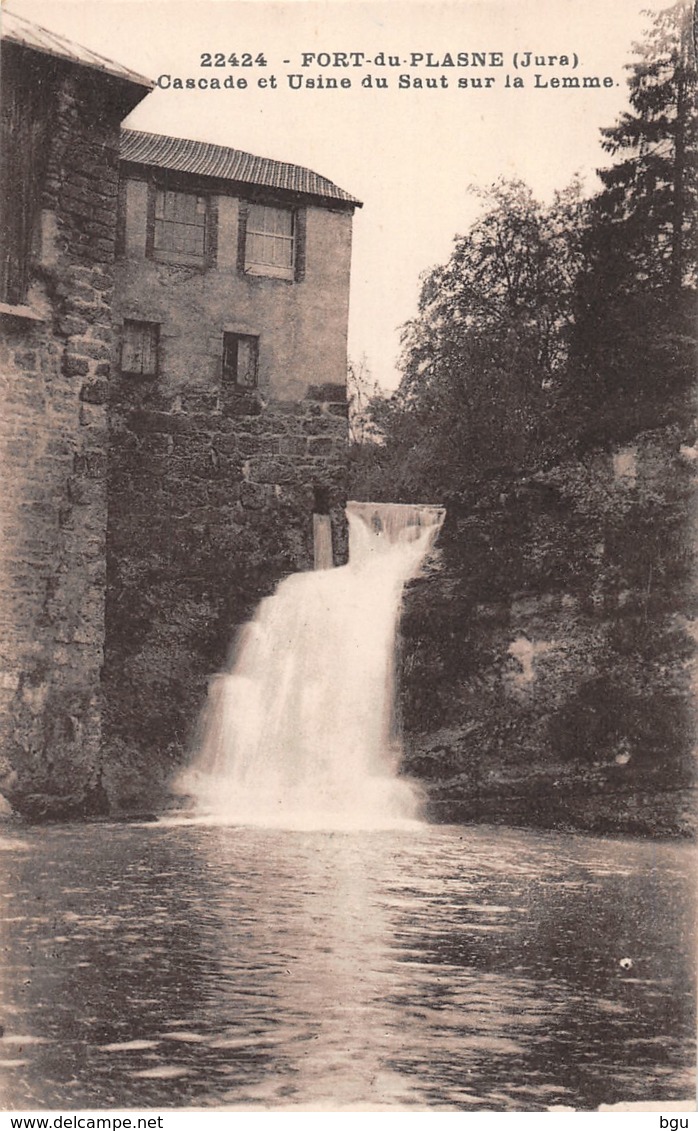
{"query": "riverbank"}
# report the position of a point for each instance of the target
(541, 802)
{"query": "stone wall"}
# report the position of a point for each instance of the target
(182, 498)
(54, 364)
(211, 500)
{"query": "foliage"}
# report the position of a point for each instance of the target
(554, 330)
(483, 359)
(650, 193)
(546, 394)
(633, 345)
(362, 388)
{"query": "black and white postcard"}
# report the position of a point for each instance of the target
(347, 569)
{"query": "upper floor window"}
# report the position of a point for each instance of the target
(179, 234)
(270, 241)
(26, 100)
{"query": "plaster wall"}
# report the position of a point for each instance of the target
(301, 325)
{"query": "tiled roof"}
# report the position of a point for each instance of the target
(18, 30)
(205, 159)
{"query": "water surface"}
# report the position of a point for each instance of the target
(430, 967)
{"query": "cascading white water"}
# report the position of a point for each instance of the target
(299, 732)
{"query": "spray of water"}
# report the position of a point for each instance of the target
(299, 732)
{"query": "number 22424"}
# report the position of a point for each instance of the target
(220, 59)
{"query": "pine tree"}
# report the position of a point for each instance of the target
(633, 355)
(650, 194)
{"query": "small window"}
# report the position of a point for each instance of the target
(270, 240)
(240, 352)
(179, 234)
(139, 348)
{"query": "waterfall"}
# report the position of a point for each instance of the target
(299, 731)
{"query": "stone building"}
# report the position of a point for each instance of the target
(172, 366)
(233, 270)
(62, 108)
(228, 422)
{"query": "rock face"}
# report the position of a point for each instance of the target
(548, 670)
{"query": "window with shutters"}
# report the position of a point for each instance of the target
(139, 348)
(270, 241)
(179, 232)
(26, 100)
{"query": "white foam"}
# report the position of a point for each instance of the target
(299, 733)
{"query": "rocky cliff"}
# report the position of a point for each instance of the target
(548, 656)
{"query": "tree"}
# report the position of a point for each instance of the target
(507, 279)
(633, 348)
(551, 332)
(484, 356)
(649, 196)
(362, 388)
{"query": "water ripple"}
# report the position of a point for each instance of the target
(460, 969)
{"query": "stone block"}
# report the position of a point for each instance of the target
(249, 445)
(254, 496)
(339, 409)
(320, 445)
(200, 402)
(326, 392)
(84, 492)
(292, 446)
(227, 445)
(203, 465)
(286, 408)
(72, 324)
(203, 422)
(89, 348)
(93, 416)
(95, 392)
(73, 366)
(325, 426)
(158, 444)
(101, 279)
(142, 421)
(91, 464)
(271, 471)
(102, 250)
(60, 446)
(220, 491)
(25, 359)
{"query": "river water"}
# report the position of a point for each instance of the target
(474, 968)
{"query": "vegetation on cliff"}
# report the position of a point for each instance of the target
(547, 400)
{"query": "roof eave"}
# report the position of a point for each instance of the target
(242, 188)
(67, 52)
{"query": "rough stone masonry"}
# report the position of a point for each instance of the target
(144, 519)
(61, 137)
